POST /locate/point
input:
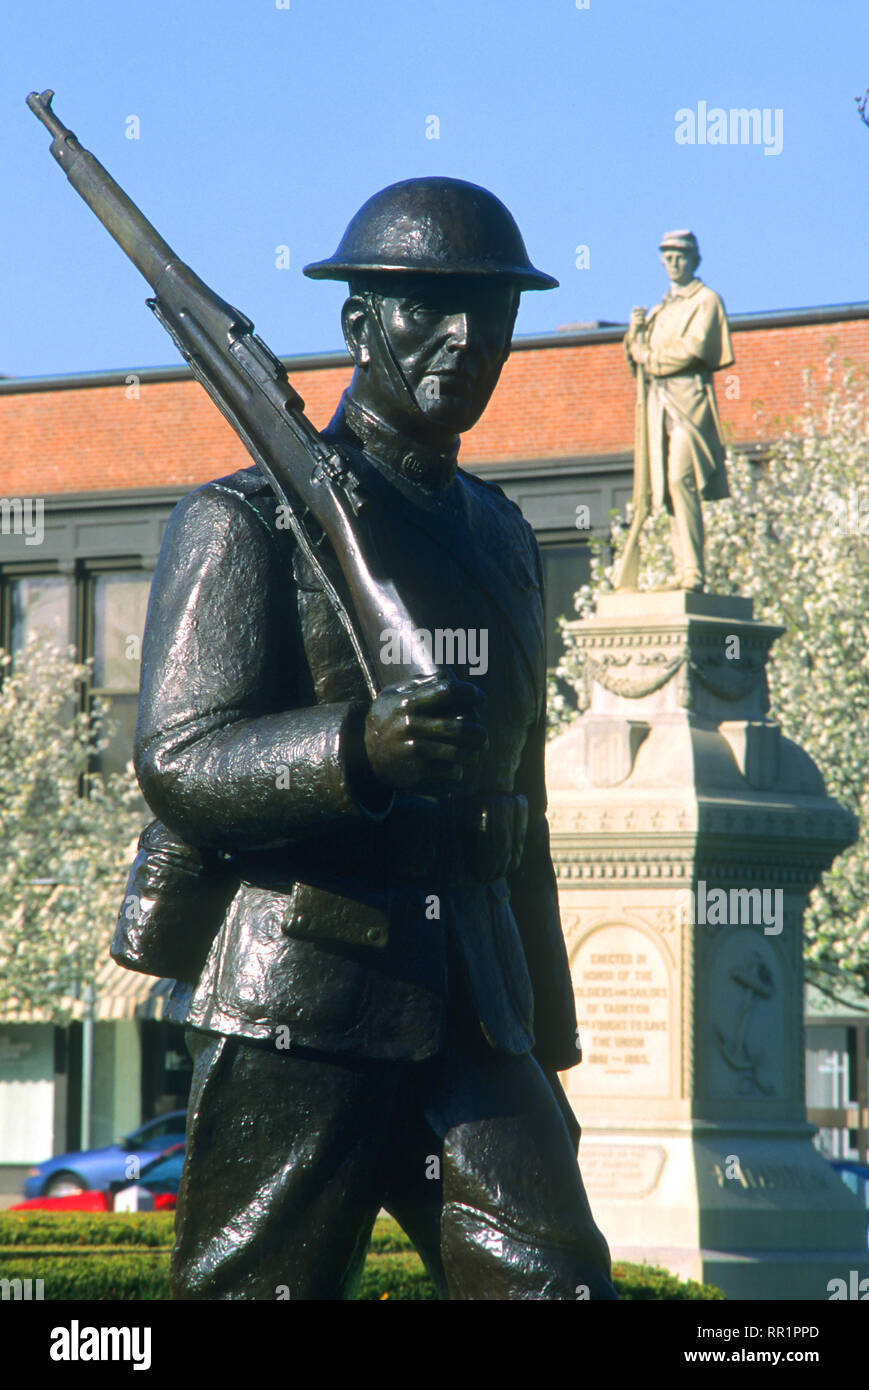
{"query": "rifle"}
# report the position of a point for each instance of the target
(249, 386)
(629, 565)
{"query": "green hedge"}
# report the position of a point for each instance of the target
(388, 1238)
(126, 1257)
(635, 1282)
(395, 1275)
(93, 1274)
(153, 1229)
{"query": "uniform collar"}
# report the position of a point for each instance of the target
(684, 291)
(429, 468)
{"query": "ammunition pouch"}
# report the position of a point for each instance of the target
(174, 903)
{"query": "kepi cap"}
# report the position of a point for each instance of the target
(681, 240)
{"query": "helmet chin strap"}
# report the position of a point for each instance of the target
(390, 362)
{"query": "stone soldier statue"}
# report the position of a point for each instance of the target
(387, 999)
(679, 452)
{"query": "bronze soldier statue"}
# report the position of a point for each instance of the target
(387, 1001)
(350, 875)
(679, 450)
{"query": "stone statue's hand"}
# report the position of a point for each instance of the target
(638, 320)
(640, 353)
(424, 730)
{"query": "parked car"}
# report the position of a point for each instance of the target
(855, 1175)
(156, 1189)
(95, 1169)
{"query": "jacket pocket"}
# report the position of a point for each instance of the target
(315, 914)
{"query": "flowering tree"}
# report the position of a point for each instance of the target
(63, 855)
(794, 534)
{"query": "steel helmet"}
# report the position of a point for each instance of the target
(433, 226)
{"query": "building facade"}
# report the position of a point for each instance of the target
(92, 465)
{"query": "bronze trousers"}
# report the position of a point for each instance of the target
(291, 1156)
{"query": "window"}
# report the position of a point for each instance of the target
(41, 603)
(101, 613)
(831, 1088)
(119, 603)
(566, 567)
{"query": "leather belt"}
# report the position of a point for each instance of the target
(456, 841)
(432, 842)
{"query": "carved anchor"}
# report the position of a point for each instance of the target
(757, 982)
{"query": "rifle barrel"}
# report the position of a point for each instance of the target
(119, 215)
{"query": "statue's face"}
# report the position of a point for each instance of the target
(451, 340)
(680, 265)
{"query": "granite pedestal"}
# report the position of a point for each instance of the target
(687, 833)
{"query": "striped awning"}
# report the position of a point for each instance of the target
(120, 994)
(127, 994)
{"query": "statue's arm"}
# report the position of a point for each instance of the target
(534, 898)
(222, 755)
(627, 343)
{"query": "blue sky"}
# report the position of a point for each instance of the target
(262, 127)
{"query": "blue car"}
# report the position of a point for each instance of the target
(98, 1168)
(856, 1176)
(161, 1177)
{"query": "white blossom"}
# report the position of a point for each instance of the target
(66, 833)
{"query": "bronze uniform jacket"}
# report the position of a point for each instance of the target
(338, 931)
